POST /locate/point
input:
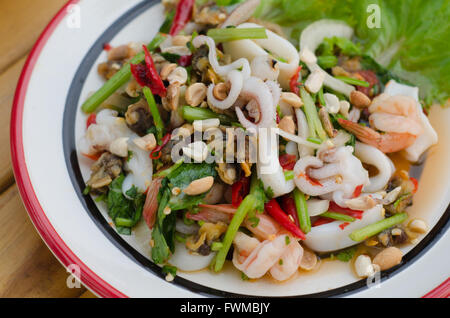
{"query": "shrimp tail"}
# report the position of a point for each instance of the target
(387, 142)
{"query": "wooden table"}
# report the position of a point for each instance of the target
(27, 267)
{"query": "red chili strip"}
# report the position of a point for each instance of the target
(107, 47)
(182, 16)
(287, 161)
(353, 213)
(273, 208)
(239, 190)
(156, 153)
(185, 60)
(416, 184)
(312, 181)
(321, 221)
(357, 191)
(288, 205)
(92, 119)
(294, 84)
(344, 225)
(93, 157)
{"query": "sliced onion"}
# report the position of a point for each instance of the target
(297, 139)
(317, 206)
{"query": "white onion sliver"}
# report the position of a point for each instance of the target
(297, 139)
(317, 207)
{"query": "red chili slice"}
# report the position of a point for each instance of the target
(321, 221)
(239, 190)
(344, 225)
(288, 205)
(273, 208)
(338, 209)
(294, 84)
(156, 153)
(288, 161)
(357, 191)
(92, 119)
(416, 184)
(185, 60)
(182, 16)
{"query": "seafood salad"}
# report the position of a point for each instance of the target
(235, 142)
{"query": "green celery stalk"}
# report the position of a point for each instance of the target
(124, 222)
(166, 172)
(119, 79)
(338, 216)
(159, 124)
(196, 113)
(247, 205)
(302, 211)
(312, 117)
(234, 34)
(353, 81)
(375, 228)
(289, 175)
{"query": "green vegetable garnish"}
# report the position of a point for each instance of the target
(234, 34)
(312, 117)
(159, 124)
(375, 228)
(347, 254)
(196, 113)
(302, 211)
(124, 212)
(353, 81)
(338, 216)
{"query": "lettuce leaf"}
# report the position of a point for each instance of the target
(412, 42)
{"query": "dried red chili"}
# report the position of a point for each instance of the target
(182, 16)
(239, 190)
(146, 75)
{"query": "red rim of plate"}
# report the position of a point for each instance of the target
(46, 230)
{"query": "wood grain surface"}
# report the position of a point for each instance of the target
(28, 268)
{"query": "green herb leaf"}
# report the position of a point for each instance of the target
(347, 254)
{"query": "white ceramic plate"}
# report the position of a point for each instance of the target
(47, 122)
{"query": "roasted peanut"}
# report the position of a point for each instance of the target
(292, 99)
(388, 258)
(199, 186)
(195, 94)
(359, 99)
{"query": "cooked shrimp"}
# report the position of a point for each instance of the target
(397, 116)
(288, 263)
(262, 257)
(387, 142)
